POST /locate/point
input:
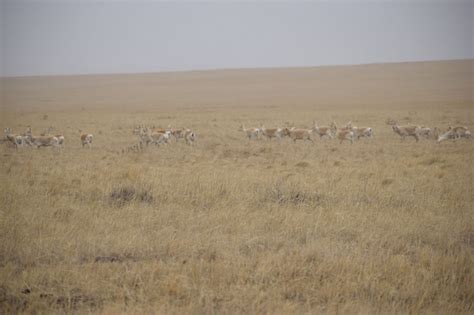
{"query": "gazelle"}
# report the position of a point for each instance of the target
(362, 132)
(460, 131)
(323, 130)
(16, 140)
(49, 133)
(189, 136)
(407, 131)
(345, 134)
(277, 133)
(250, 133)
(86, 139)
(299, 134)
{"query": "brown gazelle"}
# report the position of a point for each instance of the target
(86, 139)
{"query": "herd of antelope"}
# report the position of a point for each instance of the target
(349, 132)
(146, 136)
(159, 136)
(45, 139)
(352, 133)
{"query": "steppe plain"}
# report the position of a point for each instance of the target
(230, 225)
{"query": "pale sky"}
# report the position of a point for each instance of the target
(79, 37)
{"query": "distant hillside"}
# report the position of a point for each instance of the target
(375, 85)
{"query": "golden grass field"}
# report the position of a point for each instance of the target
(236, 226)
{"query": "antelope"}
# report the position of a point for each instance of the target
(460, 131)
(44, 141)
(159, 138)
(455, 133)
(323, 131)
(144, 136)
(251, 133)
(345, 134)
(277, 133)
(425, 132)
(148, 136)
(360, 132)
(48, 133)
(16, 140)
(407, 131)
(346, 128)
(86, 139)
(177, 133)
(299, 134)
(158, 130)
(189, 136)
(450, 134)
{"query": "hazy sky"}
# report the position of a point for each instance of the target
(70, 37)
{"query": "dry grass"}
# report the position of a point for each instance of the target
(238, 226)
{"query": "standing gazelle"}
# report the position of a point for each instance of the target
(16, 140)
(86, 139)
(251, 133)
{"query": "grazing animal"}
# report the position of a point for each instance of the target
(362, 132)
(44, 141)
(346, 128)
(344, 134)
(450, 134)
(277, 133)
(160, 138)
(251, 133)
(299, 134)
(152, 137)
(16, 140)
(189, 136)
(407, 131)
(323, 131)
(158, 130)
(86, 139)
(425, 132)
(49, 133)
(454, 134)
(460, 131)
(177, 133)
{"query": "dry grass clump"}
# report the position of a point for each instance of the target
(122, 195)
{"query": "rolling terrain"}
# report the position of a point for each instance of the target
(230, 225)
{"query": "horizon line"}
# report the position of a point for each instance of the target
(226, 69)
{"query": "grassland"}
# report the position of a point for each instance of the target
(237, 226)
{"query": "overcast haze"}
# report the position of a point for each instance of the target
(75, 37)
